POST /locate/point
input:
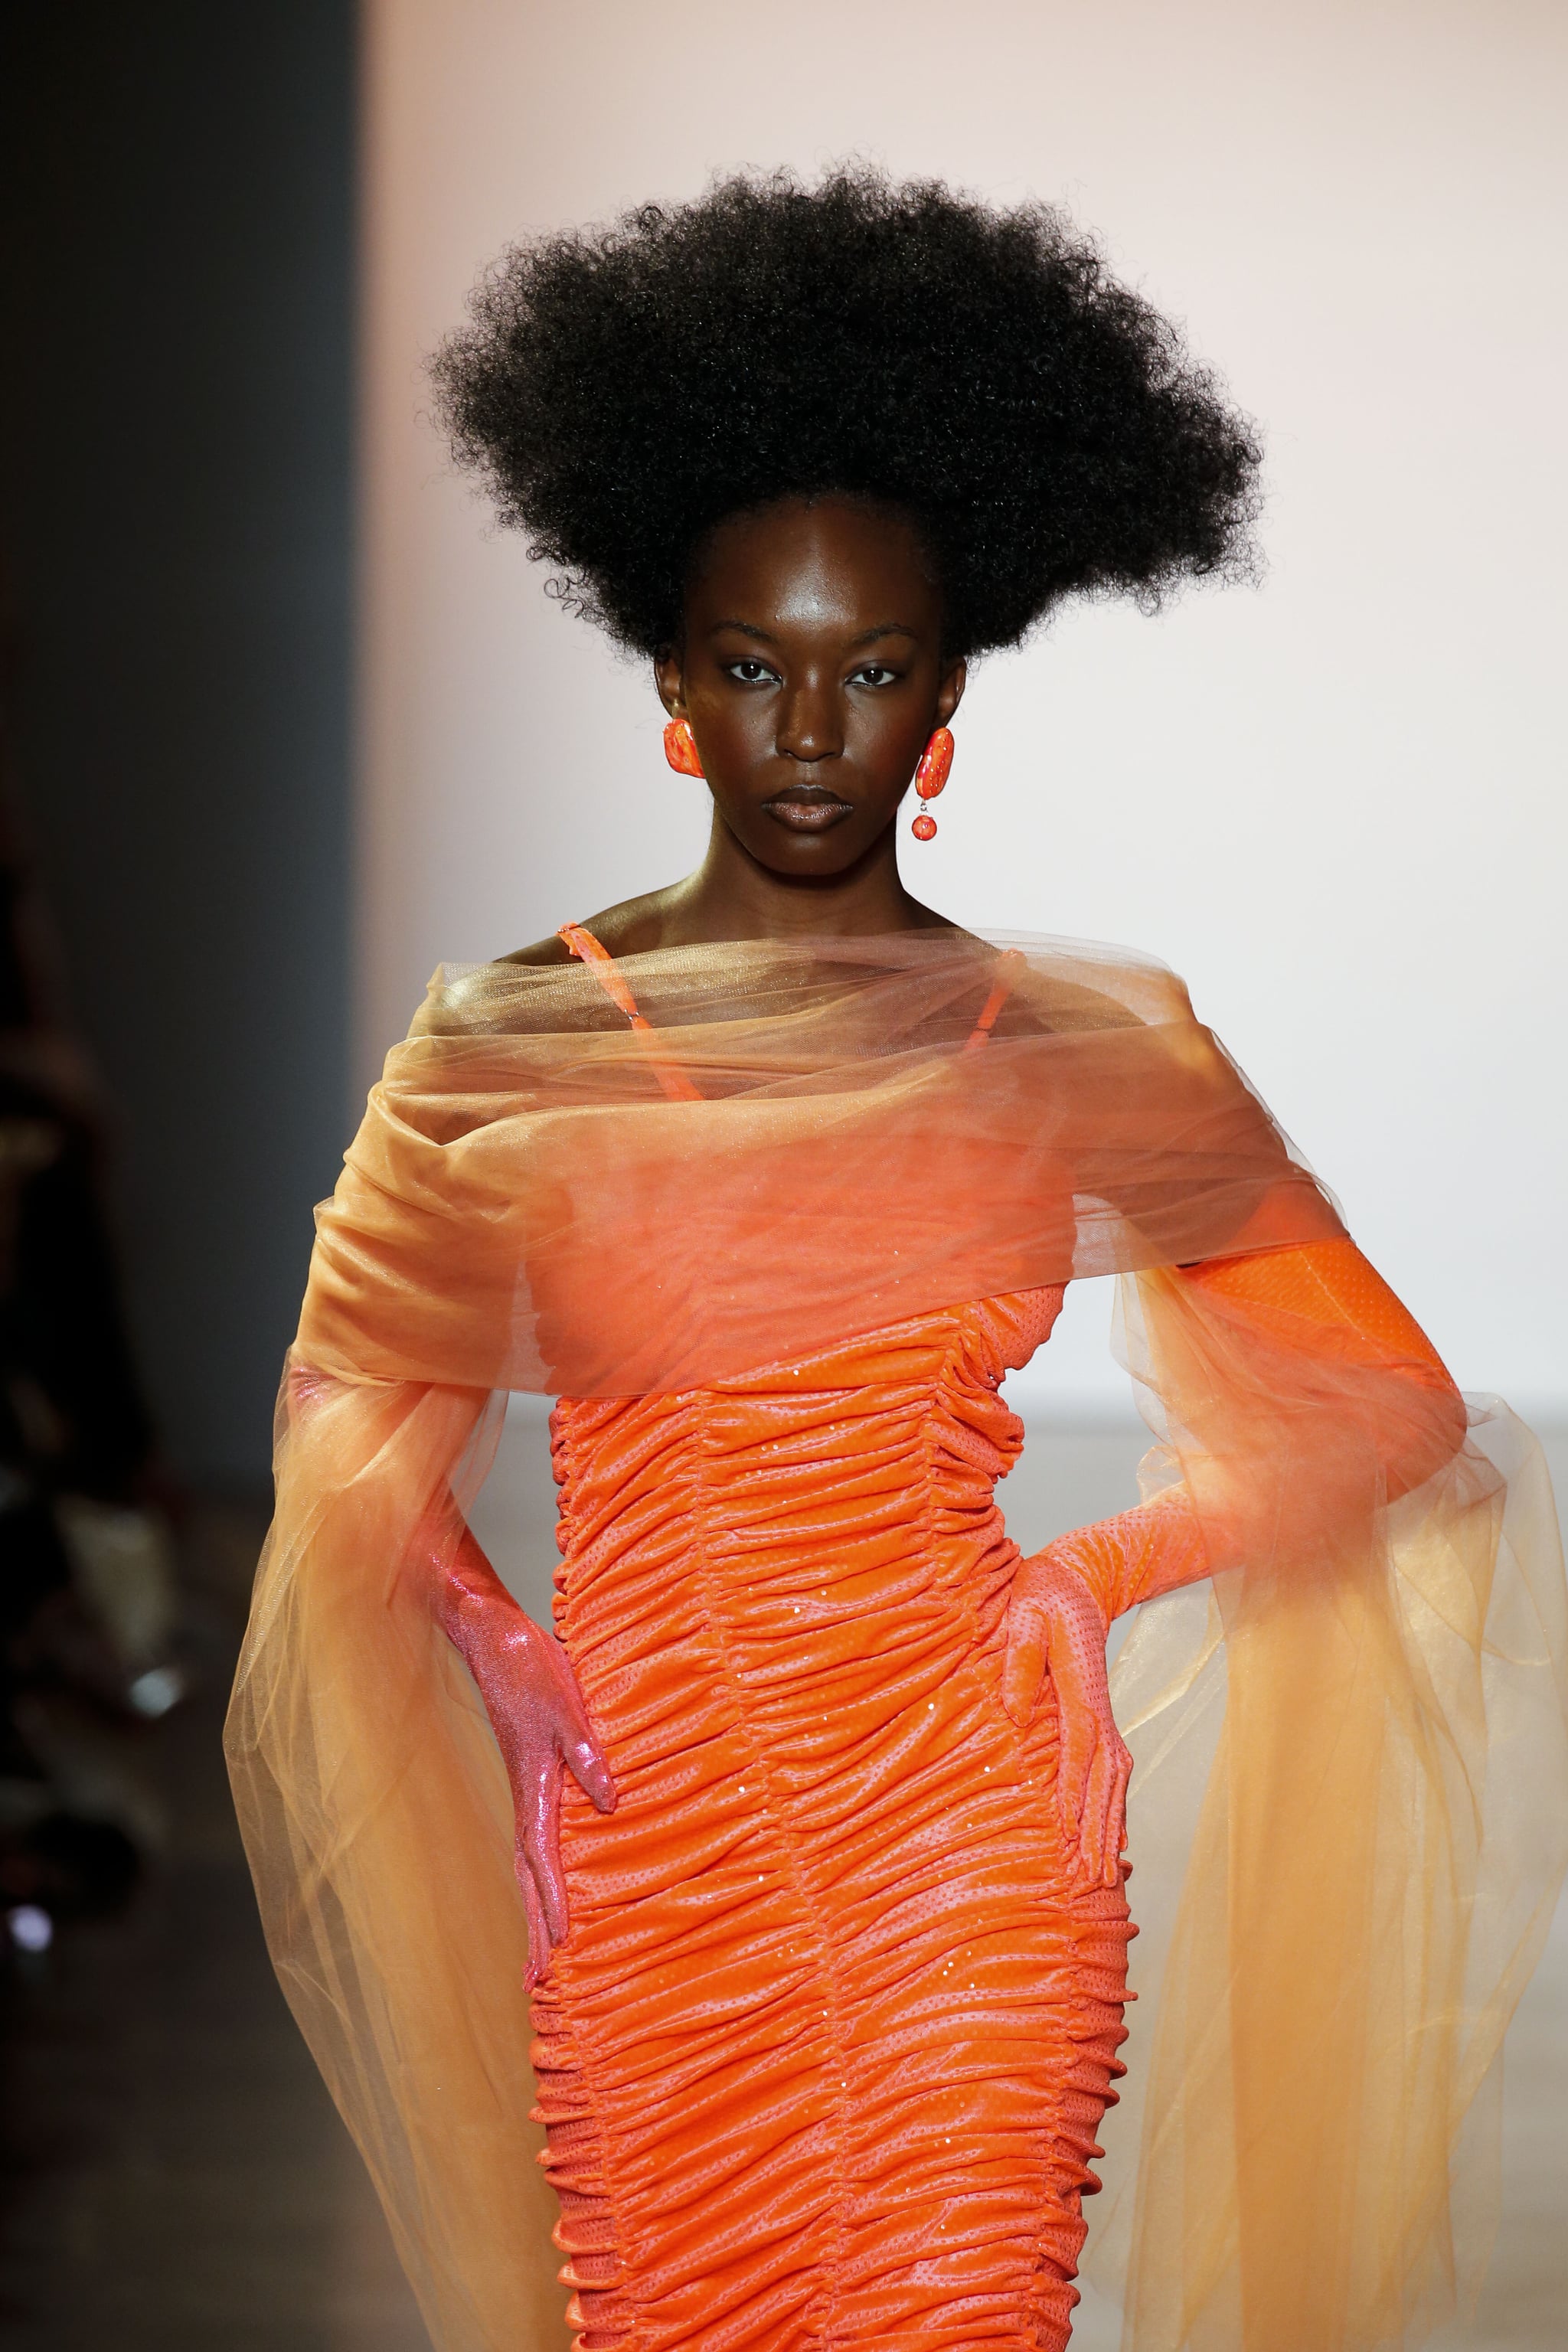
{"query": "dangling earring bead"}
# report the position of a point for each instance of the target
(680, 748)
(936, 767)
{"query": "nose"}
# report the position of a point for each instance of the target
(811, 727)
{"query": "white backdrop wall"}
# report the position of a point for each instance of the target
(1336, 804)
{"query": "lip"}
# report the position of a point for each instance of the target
(801, 811)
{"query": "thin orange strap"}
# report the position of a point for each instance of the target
(1008, 973)
(612, 980)
(679, 1088)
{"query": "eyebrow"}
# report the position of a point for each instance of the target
(867, 637)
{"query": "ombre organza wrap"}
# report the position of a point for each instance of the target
(1350, 1807)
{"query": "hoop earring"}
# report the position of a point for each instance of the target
(680, 748)
(936, 767)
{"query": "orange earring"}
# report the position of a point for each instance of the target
(680, 748)
(936, 767)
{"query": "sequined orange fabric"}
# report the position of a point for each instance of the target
(824, 2055)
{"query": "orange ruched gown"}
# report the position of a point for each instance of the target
(824, 2056)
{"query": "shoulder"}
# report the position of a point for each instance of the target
(1065, 1008)
(1043, 1002)
(1067, 987)
(631, 928)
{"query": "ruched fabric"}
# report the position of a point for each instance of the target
(824, 2055)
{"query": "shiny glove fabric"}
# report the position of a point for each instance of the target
(1326, 1295)
(1062, 1604)
(536, 1711)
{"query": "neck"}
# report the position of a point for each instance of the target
(731, 896)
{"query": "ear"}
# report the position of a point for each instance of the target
(949, 693)
(669, 676)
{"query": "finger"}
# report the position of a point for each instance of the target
(1115, 1785)
(1077, 1737)
(591, 1771)
(538, 1946)
(542, 1844)
(1075, 1760)
(1096, 1806)
(551, 1876)
(576, 1738)
(1107, 1846)
(1119, 1816)
(1024, 1665)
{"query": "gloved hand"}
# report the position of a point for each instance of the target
(542, 1726)
(1057, 1627)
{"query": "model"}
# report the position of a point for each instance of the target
(814, 1794)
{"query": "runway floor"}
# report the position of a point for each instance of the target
(174, 2179)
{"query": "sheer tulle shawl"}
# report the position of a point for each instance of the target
(527, 1207)
(1352, 1848)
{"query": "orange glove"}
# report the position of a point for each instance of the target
(1320, 1295)
(1324, 1299)
(1055, 1625)
(541, 1724)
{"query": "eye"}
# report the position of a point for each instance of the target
(750, 671)
(873, 674)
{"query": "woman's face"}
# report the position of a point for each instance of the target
(812, 675)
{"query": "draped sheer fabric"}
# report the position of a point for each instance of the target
(1348, 1819)
(528, 1208)
(1352, 1764)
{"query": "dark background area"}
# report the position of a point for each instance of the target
(177, 194)
(176, 216)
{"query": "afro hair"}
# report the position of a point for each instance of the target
(620, 392)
